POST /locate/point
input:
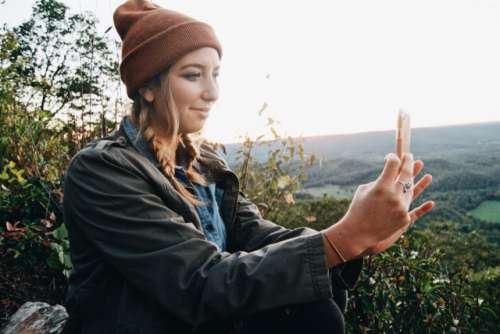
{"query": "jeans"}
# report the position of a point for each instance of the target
(318, 317)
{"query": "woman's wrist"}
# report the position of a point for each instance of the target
(332, 258)
(340, 239)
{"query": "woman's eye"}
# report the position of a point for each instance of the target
(192, 76)
(195, 76)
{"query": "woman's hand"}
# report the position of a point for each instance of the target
(414, 214)
(378, 214)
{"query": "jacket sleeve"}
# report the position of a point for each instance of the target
(170, 261)
(254, 232)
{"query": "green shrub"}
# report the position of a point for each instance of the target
(412, 289)
(425, 283)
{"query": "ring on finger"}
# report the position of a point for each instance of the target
(406, 186)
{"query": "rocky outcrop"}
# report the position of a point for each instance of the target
(36, 318)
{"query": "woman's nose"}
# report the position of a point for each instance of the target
(211, 90)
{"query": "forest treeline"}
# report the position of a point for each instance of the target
(60, 88)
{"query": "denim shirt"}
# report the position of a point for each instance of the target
(212, 223)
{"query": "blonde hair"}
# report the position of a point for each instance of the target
(166, 142)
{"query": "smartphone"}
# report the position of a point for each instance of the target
(403, 134)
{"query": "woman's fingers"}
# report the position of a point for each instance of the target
(423, 183)
(417, 167)
(421, 210)
(393, 166)
(384, 244)
(407, 169)
(391, 169)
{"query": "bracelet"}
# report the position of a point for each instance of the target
(336, 249)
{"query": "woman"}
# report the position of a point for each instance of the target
(162, 241)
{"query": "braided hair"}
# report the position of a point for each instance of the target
(158, 124)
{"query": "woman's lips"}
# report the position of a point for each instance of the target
(203, 111)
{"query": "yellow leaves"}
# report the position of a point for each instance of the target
(289, 199)
(428, 320)
(10, 173)
(310, 219)
(284, 181)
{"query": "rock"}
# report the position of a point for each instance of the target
(36, 318)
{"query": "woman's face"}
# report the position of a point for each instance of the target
(194, 87)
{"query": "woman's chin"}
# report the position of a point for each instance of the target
(192, 129)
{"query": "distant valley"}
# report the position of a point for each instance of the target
(463, 159)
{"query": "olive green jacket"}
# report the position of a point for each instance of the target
(143, 265)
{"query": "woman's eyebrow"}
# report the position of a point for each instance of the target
(201, 66)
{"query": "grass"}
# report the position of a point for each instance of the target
(332, 190)
(488, 210)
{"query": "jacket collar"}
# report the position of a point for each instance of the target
(137, 141)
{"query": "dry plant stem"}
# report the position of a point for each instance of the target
(345, 241)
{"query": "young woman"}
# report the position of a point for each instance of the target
(163, 241)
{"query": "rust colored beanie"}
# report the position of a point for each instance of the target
(154, 38)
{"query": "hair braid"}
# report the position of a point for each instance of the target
(191, 153)
(166, 145)
(166, 157)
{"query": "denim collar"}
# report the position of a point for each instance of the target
(138, 141)
(141, 145)
(213, 168)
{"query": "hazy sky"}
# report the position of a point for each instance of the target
(328, 67)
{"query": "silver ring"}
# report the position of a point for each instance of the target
(406, 186)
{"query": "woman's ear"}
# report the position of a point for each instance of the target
(147, 94)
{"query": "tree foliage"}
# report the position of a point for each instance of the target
(58, 77)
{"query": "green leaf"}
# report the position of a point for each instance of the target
(67, 261)
(60, 233)
(53, 263)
